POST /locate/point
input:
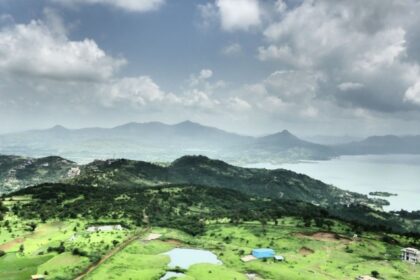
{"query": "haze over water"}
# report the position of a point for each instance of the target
(399, 174)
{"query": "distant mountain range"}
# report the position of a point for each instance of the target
(155, 141)
(379, 145)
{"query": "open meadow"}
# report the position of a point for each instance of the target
(64, 249)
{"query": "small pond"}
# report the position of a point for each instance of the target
(184, 258)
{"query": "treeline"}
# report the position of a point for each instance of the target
(187, 207)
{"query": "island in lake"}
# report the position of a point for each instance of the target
(382, 194)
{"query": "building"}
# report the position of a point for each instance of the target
(104, 228)
(73, 172)
(279, 258)
(38, 277)
(410, 255)
(263, 253)
(248, 258)
(365, 277)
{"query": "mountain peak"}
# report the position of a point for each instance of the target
(58, 128)
(188, 123)
(286, 132)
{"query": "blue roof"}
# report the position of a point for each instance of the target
(263, 250)
(263, 253)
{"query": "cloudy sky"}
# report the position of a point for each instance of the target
(313, 67)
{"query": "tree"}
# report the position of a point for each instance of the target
(375, 273)
(21, 248)
(2, 253)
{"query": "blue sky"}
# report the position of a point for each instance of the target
(249, 66)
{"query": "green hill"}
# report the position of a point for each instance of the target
(200, 170)
(18, 172)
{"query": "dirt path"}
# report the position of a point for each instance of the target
(108, 255)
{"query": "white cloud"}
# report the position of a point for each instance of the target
(412, 94)
(280, 6)
(209, 14)
(238, 104)
(239, 14)
(350, 86)
(232, 49)
(137, 91)
(128, 5)
(205, 74)
(293, 86)
(36, 50)
(364, 41)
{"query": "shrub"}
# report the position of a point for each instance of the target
(374, 273)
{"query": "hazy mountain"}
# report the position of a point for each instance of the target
(156, 141)
(388, 144)
(332, 139)
(286, 145)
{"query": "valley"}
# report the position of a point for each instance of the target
(95, 222)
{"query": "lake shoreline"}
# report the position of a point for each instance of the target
(394, 174)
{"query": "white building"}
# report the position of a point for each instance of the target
(73, 172)
(104, 228)
(366, 277)
(410, 255)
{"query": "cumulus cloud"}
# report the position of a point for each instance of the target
(128, 5)
(238, 104)
(209, 14)
(36, 50)
(232, 49)
(233, 15)
(349, 86)
(239, 14)
(293, 86)
(413, 93)
(205, 74)
(137, 91)
(363, 41)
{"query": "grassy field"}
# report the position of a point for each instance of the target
(310, 253)
(13, 266)
(140, 260)
(63, 265)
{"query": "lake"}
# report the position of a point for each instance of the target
(399, 174)
(184, 258)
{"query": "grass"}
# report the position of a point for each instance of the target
(63, 266)
(139, 260)
(307, 256)
(213, 272)
(13, 266)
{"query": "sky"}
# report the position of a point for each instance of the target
(314, 67)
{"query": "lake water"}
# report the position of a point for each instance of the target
(184, 258)
(399, 174)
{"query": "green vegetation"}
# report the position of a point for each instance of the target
(311, 251)
(210, 205)
(200, 170)
(137, 261)
(14, 266)
(63, 266)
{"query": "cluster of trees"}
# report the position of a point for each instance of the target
(187, 207)
(3, 210)
(184, 207)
